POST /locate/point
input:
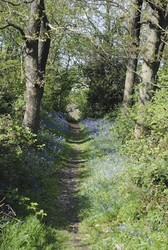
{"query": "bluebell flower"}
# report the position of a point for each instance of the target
(36, 187)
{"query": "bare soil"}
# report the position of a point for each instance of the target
(69, 173)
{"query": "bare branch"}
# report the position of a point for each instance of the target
(156, 6)
(113, 3)
(73, 30)
(4, 27)
(16, 27)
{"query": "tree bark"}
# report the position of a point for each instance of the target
(158, 24)
(132, 54)
(36, 54)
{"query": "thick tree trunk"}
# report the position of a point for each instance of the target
(150, 65)
(132, 54)
(32, 114)
(151, 61)
(44, 43)
(33, 88)
(36, 54)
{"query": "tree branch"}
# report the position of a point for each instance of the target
(4, 27)
(16, 27)
(16, 4)
(155, 6)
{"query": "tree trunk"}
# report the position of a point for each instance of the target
(133, 53)
(151, 62)
(33, 88)
(36, 54)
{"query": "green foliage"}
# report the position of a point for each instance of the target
(157, 114)
(78, 96)
(122, 213)
(14, 142)
(11, 84)
(106, 85)
(124, 125)
(58, 87)
(126, 196)
(28, 183)
(127, 190)
(28, 234)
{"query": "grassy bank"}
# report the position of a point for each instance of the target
(126, 208)
(31, 215)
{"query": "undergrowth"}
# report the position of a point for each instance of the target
(30, 216)
(128, 179)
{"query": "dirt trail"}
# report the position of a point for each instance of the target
(69, 178)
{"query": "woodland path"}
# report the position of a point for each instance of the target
(69, 173)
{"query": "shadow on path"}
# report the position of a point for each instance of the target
(69, 173)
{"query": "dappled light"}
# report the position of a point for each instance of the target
(83, 121)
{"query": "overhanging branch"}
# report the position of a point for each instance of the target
(16, 4)
(16, 27)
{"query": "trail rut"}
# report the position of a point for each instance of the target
(68, 197)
